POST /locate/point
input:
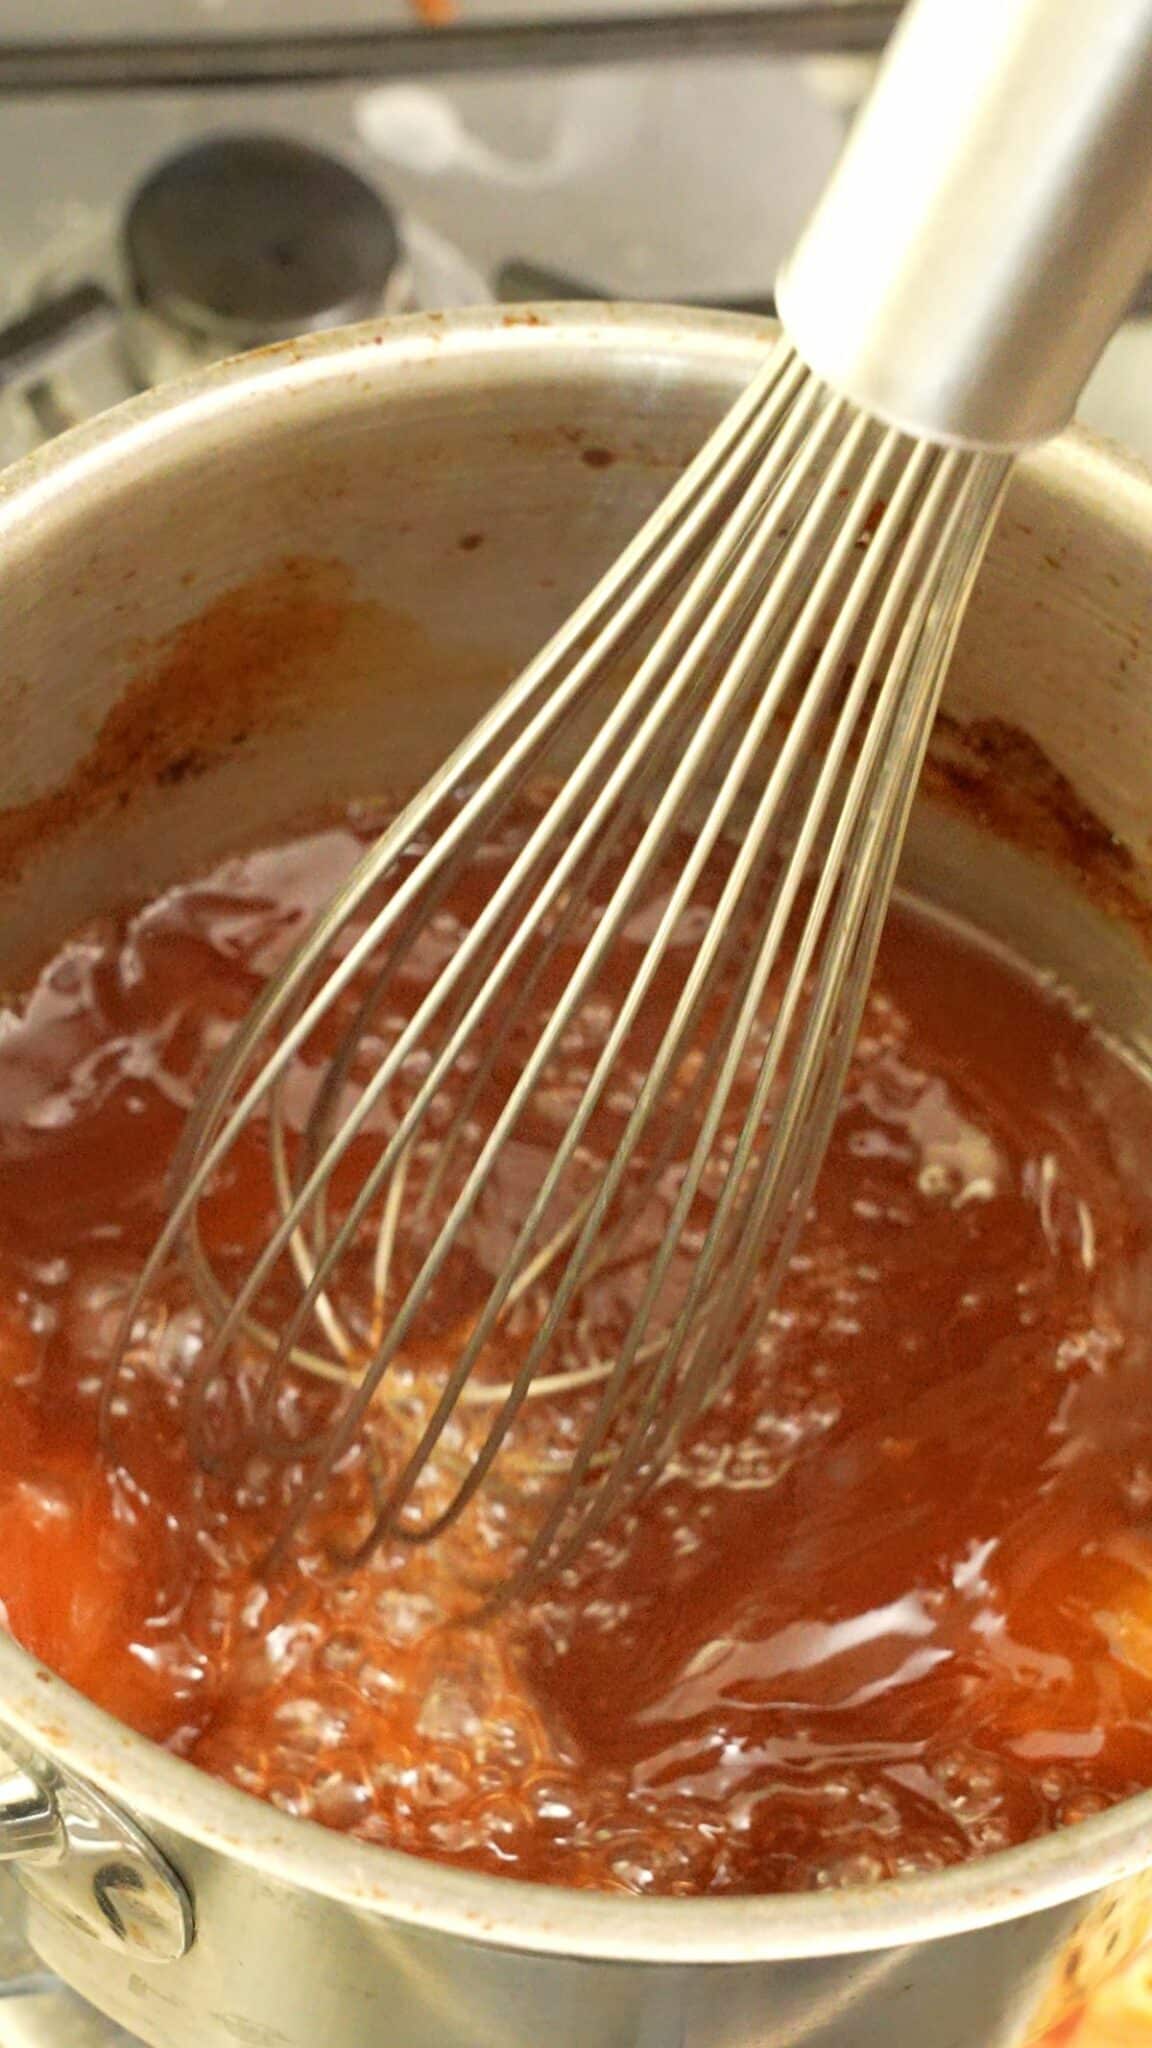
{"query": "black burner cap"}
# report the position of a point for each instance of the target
(254, 238)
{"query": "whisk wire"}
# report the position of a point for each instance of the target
(643, 571)
(696, 987)
(665, 817)
(398, 1495)
(693, 1320)
(871, 829)
(794, 603)
(493, 918)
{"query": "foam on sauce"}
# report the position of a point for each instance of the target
(892, 1606)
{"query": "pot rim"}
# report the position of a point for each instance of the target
(447, 351)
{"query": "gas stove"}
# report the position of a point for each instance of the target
(172, 228)
(163, 232)
(142, 236)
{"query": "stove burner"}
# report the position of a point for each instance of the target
(237, 242)
(248, 239)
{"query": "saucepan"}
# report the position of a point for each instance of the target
(296, 579)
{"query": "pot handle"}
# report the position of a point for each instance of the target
(79, 1856)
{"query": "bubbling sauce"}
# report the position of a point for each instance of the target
(891, 1606)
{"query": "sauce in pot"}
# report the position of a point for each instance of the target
(890, 1608)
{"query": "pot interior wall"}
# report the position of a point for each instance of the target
(220, 626)
(231, 614)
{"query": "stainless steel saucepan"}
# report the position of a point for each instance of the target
(294, 580)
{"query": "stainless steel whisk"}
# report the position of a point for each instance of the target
(790, 611)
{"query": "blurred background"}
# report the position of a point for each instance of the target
(680, 173)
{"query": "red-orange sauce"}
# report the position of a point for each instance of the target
(892, 1607)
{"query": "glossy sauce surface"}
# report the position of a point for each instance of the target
(891, 1608)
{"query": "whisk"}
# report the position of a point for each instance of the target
(756, 675)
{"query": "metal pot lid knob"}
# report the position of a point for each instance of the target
(79, 1856)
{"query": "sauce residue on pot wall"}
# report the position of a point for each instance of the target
(241, 667)
(997, 776)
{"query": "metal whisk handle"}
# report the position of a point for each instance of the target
(989, 221)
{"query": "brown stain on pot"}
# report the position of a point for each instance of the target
(996, 776)
(596, 455)
(248, 665)
(245, 664)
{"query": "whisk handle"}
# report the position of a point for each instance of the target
(989, 220)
